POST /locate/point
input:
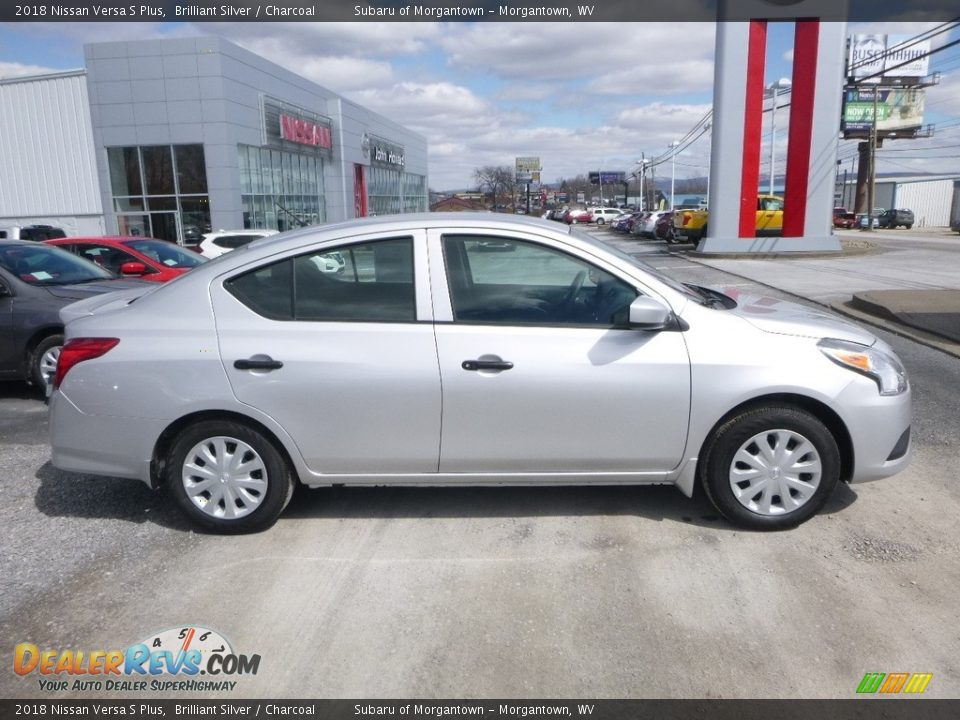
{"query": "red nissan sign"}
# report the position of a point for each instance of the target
(305, 132)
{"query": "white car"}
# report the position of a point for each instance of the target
(603, 215)
(217, 243)
(432, 361)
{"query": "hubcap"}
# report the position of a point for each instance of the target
(224, 477)
(48, 364)
(775, 472)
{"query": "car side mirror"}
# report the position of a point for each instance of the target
(5, 291)
(648, 314)
(133, 268)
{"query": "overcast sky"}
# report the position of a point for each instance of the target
(581, 96)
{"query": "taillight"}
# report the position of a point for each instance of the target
(686, 219)
(79, 349)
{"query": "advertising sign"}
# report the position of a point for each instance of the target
(872, 54)
(289, 127)
(604, 177)
(528, 169)
(899, 110)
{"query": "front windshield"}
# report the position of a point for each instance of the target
(40, 264)
(639, 264)
(164, 253)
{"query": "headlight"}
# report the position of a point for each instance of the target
(883, 368)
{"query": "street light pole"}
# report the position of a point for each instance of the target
(773, 89)
(673, 171)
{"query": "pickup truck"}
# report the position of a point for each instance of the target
(691, 225)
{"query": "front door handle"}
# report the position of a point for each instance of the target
(261, 362)
(486, 365)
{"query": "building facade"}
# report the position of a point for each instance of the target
(178, 137)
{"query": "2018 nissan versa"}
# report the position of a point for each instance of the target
(430, 360)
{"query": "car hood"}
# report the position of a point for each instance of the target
(85, 290)
(788, 318)
(105, 301)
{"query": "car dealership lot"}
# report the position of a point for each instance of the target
(523, 592)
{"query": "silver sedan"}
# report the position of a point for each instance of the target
(437, 357)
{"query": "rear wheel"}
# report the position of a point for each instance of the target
(227, 477)
(770, 468)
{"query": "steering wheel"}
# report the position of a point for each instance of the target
(570, 295)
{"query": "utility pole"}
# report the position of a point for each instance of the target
(873, 163)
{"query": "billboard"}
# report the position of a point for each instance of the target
(898, 110)
(607, 178)
(528, 169)
(869, 55)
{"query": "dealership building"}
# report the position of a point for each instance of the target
(172, 138)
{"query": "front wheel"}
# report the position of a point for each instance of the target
(228, 477)
(43, 360)
(770, 468)
(600, 221)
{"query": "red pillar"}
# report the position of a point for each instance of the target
(752, 127)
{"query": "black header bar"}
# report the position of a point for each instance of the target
(474, 10)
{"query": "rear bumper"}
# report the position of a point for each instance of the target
(112, 446)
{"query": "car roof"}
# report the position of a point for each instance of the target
(103, 238)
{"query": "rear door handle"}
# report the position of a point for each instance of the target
(486, 365)
(258, 363)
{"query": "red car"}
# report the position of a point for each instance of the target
(575, 216)
(845, 220)
(142, 257)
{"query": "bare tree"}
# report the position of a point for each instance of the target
(497, 180)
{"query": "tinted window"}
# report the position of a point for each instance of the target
(504, 281)
(47, 265)
(373, 282)
(165, 253)
(234, 241)
(109, 258)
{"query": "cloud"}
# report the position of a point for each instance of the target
(15, 69)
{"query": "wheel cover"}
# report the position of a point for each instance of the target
(48, 364)
(775, 472)
(224, 478)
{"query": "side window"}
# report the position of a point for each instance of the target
(107, 257)
(372, 282)
(513, 282)
(234, 241)
(771, 204)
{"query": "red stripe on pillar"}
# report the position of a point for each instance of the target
(752, 126)
(805, 45)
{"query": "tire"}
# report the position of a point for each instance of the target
(908, 226)
(259, 493)
(600, 221)
(43, 360)
(734, 464)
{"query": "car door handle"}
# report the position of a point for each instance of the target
(260, 363)
(486, 365)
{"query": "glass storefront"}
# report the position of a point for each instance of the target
(160, 191)
(281, 190)
(391, 192)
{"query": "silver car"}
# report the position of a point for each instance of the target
(431, 360)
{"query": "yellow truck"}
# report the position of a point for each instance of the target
(691, 225)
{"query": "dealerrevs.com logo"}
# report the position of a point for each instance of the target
(176, 660)
(894, 683)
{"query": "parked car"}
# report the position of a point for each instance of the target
(862, 220)
(36, 281)
(143, 257)
(665, 230)
(574, 216)
(691, 225)
(603, 215)
(217, 243)
(569, 363)
(895, 219)
(845, 220)
(31, 232)
(645, 226)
